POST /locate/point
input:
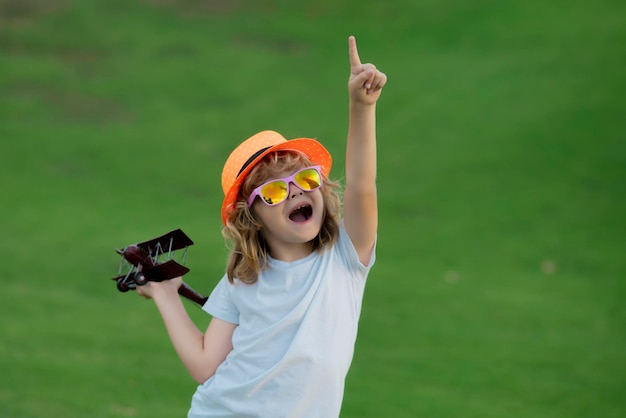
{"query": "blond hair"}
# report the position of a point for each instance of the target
(248, 250)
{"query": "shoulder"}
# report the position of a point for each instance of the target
(220, 302)
(345, 249)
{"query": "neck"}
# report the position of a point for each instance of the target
(289, 252)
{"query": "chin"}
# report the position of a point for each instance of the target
(308, 230)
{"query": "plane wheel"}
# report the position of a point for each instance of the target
(140, 279)
(121, 286)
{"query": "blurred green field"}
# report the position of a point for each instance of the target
(499, 284)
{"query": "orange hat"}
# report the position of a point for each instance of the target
(243, 159)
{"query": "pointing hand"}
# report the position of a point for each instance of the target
(366, 81)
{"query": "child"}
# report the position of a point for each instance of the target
(285, 314)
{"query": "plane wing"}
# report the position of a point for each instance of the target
(165, 271)
(172, 241)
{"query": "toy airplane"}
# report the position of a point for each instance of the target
(145, 264)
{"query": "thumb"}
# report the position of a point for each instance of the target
(362, 78)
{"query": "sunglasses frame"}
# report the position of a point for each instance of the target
(287, 180)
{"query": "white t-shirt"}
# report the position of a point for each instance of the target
(295, 338)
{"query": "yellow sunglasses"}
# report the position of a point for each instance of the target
(275, 191)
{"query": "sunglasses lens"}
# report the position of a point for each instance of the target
(308, 179)
(275, 192)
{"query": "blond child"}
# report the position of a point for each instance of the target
(285, 314)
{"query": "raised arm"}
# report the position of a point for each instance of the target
(360, 199)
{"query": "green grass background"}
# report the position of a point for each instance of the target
(499, 285)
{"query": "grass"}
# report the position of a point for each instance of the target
(498, 286)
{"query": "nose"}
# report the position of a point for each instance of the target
(294, 190)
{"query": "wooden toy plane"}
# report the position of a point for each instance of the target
(145, 265)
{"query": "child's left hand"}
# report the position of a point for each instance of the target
(366, 82)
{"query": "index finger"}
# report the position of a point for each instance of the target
(352, 51)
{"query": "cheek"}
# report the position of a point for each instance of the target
(319, 198)
(319, 202)
(263, 212)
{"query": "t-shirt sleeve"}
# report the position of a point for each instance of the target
(349, 254)
(220, 304)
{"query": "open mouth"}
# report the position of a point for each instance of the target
(302, 213)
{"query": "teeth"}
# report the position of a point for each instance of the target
(300, 207)
(301, 213)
